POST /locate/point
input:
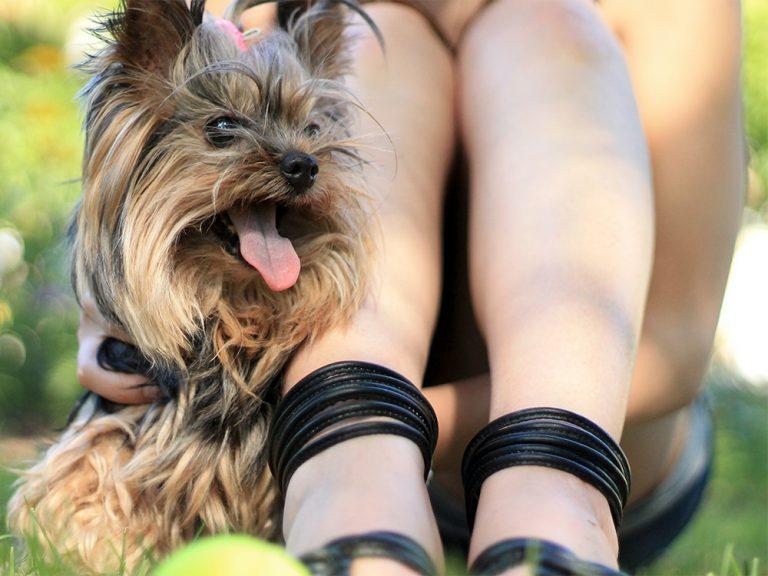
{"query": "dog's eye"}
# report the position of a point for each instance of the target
(312, 129)
(221, 131)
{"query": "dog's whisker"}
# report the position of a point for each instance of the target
(360, 144)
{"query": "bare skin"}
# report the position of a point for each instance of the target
(696, 139)
(589, 105)
(695, 136)
(115, 386)
(394, 327)
(561, 244)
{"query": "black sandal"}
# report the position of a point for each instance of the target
(552, 438)
(324, 409)
(336, 557)
(544, 557)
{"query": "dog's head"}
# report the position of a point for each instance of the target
(221, 198)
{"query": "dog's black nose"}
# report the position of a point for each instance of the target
(300, 170)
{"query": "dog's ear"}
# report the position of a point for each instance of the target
(147, 35)
(319, 30)
(319, 33)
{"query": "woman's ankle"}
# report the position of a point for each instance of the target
(366, 484)
(547, 504)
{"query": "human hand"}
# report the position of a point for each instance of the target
(101, 344)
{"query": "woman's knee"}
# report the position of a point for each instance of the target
(409, 151)
(631, 14)
(565, 31)
(404, 30)
(700, 39)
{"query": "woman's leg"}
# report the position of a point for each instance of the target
(686, 78)
(695, 135)
(561, 244)
(376, 482)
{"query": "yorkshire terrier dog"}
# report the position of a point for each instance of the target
(223, 224)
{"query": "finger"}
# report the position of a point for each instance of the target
(115, 386)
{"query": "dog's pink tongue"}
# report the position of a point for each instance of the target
(264, 249)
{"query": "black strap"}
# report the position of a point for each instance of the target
(336, 557)
(545, 558)
(552, 438)
(115, 355)
(326, 407)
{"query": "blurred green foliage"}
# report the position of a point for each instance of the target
(735, 508)
(40, 151)
(756, 96)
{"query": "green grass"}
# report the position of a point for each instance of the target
(729, 536)
(735, 512)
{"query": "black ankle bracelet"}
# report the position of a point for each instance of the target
(314, 415)
(335, 558)
(544, 558)
(552, 438)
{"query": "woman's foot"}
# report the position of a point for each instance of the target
(365, 484)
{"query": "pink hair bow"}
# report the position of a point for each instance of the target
(233, 32)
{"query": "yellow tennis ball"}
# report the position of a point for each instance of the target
(231, 555)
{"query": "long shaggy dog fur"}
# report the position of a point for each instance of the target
(147, 246)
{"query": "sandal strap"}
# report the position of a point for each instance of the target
(333, 404)
(552, 438)
(336, 557)
(545, 558)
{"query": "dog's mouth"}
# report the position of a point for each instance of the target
(251, 232)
